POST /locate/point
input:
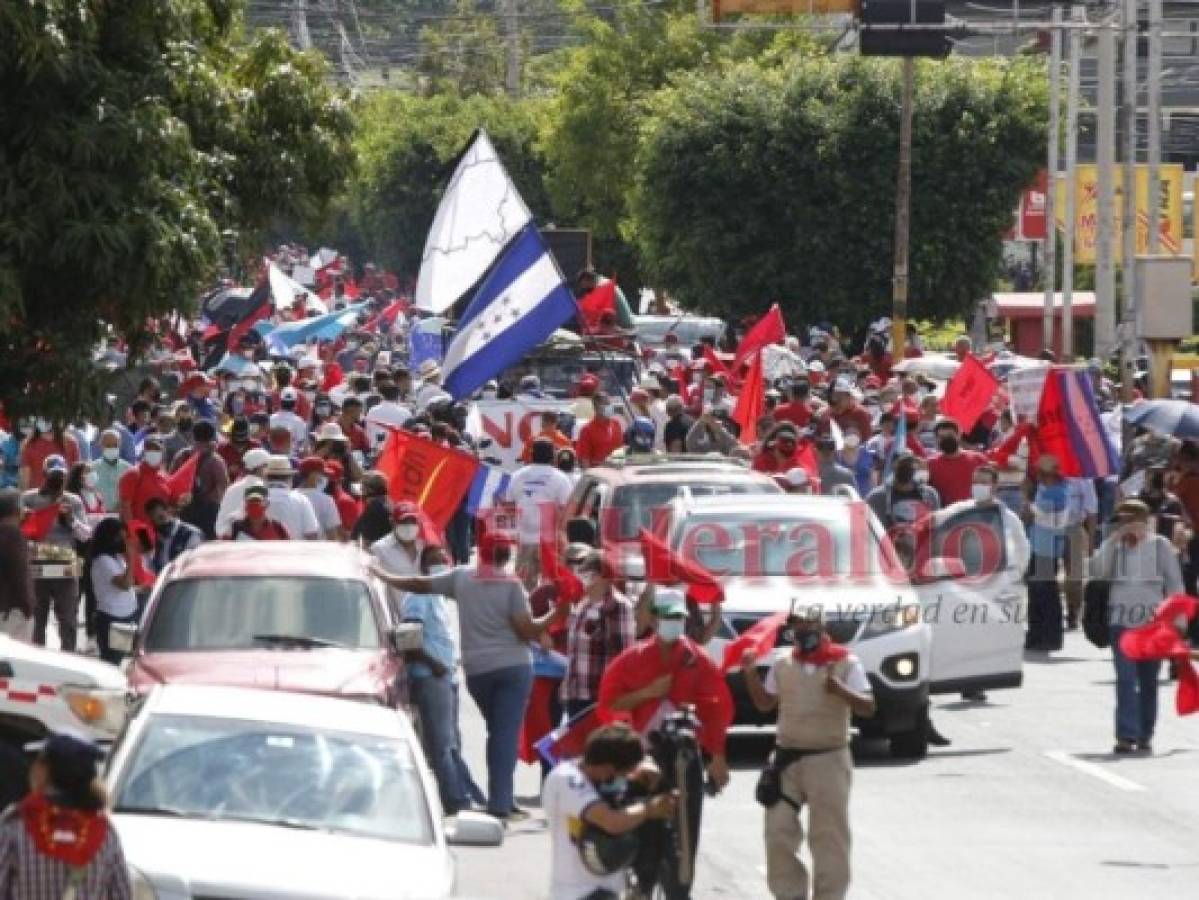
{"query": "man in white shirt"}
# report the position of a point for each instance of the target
(233, 502)
(290, 508)
(313, 482)
(540, 491)
(400, 551)
(578, 798)
(388, 412)
(286, 418)
(430, 388)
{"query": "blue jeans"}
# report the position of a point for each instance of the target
(436, 701)
(502, 696)
(1136, 693)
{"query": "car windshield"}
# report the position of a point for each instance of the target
(636, 503)
(259, 612)
(237, 770)
(816, 544)
(688, 330)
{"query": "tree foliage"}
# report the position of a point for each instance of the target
(758, 184)
(137, 139)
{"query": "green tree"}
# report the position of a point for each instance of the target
(137, 139)
(407, 149)
(757, 184)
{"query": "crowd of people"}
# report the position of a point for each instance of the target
(281, 446)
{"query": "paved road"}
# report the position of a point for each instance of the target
(1027, 803)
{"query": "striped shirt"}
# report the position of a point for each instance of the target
(26, 874)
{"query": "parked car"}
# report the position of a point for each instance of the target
(829, 553)
(290, 615)
(689, 329)
(234, 792)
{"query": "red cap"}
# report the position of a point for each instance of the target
(405, 509)
(588, 385)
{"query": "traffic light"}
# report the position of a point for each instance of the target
(898, 41)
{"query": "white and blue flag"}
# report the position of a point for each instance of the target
(283, 337)
(520, 304)
(488, 485)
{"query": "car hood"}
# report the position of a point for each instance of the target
(186, 857)
(775, 593)
(55, 667)
(323, 671)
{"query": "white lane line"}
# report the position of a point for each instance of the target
(1066, 759)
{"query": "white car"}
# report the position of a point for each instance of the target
(42, 691)
(235, 792)
(830, 553)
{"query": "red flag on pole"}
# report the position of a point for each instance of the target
(751, 401)
(969, 393)
(434, 477)
(664, 566)
(570, 588)
(595, 303)
(183, 479)
(38, 522)
(769, 329)
(760, 638)
(142, 577)
(716, 365)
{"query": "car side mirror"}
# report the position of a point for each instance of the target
(408, 636)
(122, 636)
(473, 829)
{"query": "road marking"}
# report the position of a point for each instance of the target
(1066, 759)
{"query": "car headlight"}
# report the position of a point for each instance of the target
(887, 620)
(142, 888)
(102, 709)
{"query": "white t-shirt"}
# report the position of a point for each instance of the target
(565, 796)
(295, 425)
(325, 509)
(539, 492)
(385, 413)
(110, 599)
(855, 677)
(292, 510)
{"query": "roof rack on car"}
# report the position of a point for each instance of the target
(656, 459)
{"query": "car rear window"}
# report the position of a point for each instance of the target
(635, 503)
(245, 613)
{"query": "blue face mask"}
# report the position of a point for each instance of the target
(615, 788)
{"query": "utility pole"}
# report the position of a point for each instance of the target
(1077, 16)
(1128, 225)
(903, 206)
(1153, 91)
(1105, 166)
(512, 43)
(1055, 77)
(299, 25)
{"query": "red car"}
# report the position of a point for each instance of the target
(299, 616)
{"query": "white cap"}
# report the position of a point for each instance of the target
(255, 458)
(797, 476)
(330, 431)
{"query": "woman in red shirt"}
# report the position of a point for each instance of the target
(45, 439)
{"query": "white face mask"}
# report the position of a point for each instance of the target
(407, 533)
(321, 483)
(111, 454)
(152, 458)
(605, 410)
(90, 479)
(852, 441)
(439, 569)
(670, 630)
(980, 492)
(42, 425)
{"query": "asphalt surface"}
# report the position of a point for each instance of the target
(1028, 802)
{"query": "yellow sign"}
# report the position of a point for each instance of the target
(723, 8)
(1086, 211)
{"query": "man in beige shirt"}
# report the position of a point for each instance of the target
(816, 688)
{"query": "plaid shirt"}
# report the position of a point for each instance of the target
(25, 874)
(599, 631)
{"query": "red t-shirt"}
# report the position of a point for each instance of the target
(804, 458)
(139, 486)
(357, 437)
(853, 417)
(36, 450)
(951, 476)
(796, 412)
(597, 440)
(349, 509)
(697, 681)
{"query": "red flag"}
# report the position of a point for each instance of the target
(386, 318)
(751, 401)
(595, 303)
(1053, 432)
(570, 589)
(1160, 639)
(760, 638)
(568, 741)
(434, 477)
(333, 377)
(38, 523)
(767, 330)
(183, 479)
(664, 566)
(969, 393)
(142, 577)
(716, 365)
(680, 374)
(260, 308)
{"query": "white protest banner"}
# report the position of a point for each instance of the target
(502, 428)
(1025, 386)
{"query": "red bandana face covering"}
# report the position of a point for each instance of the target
(72, 836)
(826, 654)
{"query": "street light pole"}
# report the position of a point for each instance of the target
(1128, 225)
(903, 205)
(1050, 254)
(1154, 102)
(1105, 175)
(1072, 84)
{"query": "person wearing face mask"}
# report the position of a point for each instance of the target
(109, 468)
(256, 524)
(549, 432)
(817, 688)
(313, 485)
(859, 460)
(1168, 516)
(567, 464)
(349, 508)
(232, 504)
(143, 481)
(287, 418)
(400, 551)
(178, 436)
(45, 439)
(782, 451)
(82, 481)
(233, 451)
(580, 797)
(172, 538)
(830, 472)
(1142, 569)
(375, 522)
(677, 426)
(68, 529)
(433, 686)
(600, 437)
(648, 682)
(209, 482)
(602, 625)
(951, 471)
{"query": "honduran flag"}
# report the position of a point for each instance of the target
(488, 484)
(1069, 427)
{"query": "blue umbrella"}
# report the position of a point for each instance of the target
(1179, 418)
